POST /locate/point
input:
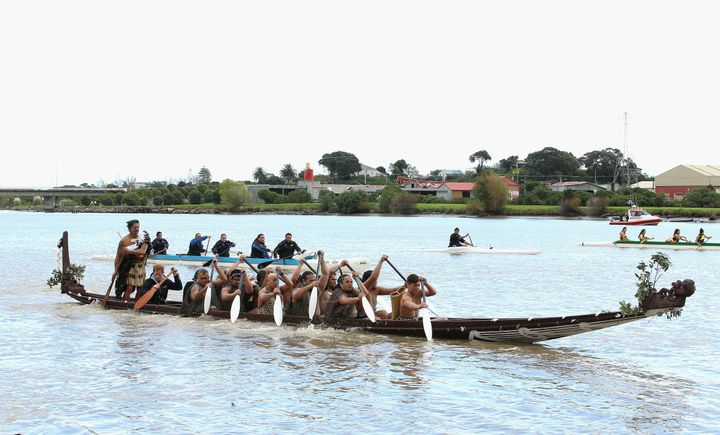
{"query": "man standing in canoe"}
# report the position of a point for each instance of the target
(130, 260)
(457, 240)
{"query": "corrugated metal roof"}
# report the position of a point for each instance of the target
(706, 170)
(458, 185)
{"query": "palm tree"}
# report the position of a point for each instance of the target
(288, 173)
(481, 156)
(260, 175)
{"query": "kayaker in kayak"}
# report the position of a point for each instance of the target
(643, 237)
(676, 237)
(287, 248)
(457, 240)
(196, 245)
(623, 234)
(702, 238)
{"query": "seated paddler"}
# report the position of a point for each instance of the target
(238, 285)
(272, 288)
(345, 297)
(457, 240)
(412, 299)
(158, 273)
(194, 300)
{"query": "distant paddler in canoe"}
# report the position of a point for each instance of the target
(701, 238)
(642, 236)
(676, 237)
(623, 234)
(130, 260)
(457, 240)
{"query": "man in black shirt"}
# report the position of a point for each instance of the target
(457, 240)
(287, 248)
(222, 246)
(162, 292)
(159, 245)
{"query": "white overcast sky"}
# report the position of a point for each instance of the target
(97, 90)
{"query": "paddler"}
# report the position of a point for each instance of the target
(702, 238)
(370, 279)
(345, 297)
(457, 240)
(411, 301)
(287, 248)
(304, 282)
(238, 285)
(676, 237)
(266, 295)
(130, 260)
(194, 300)
(643, 237)
(196, 245)
(158, 274)
(623, 234)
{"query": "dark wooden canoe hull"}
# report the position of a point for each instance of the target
(520, 329)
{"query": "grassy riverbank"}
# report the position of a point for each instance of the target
(314, 208)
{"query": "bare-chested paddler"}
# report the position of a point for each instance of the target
(411, 301)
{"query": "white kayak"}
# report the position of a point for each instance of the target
(479, 250)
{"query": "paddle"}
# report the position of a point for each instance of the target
(207, 263)
(403, 278)
(277, 306)
(471, 242)
(144, 299)
(312, 307)
(427, 326)
(265, 264)
(107, 293)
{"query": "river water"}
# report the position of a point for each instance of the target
(68, 368)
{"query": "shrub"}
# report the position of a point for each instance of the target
(491, 192)
(131, 198)
(386, 196)
(37, 200)
(354, 201)
(233, 194)
(299, 196)
(597, 206)
(158, 200)
(85, 200)
(65, 202)
(702, 197)
(474, 206)
(327, 201)
(570, 204)
(404, 203)
(270, 197)
(195, 196)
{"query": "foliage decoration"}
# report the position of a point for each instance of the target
(76, 271)
(646, 280)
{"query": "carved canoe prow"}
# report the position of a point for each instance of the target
(669, 298)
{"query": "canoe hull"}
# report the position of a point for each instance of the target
(680, 246)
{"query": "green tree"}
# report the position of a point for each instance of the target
(386, 196)
(260, 176)
(491, 192)
(382, 170)
(507, 165)
(288, 173)
(204, 176)
(702, 197)
(195, 196)
(601, 164)
(552, 162)
(270, 197)
(399, 167)
(233, 194)
(341, 164)
(354, 201)
(131, 198)
(481, 156)
(85, 200)
(299, 196)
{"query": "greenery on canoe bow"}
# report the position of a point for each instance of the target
(57, 277)
(647, 278)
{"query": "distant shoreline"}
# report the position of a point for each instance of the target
(677, 214)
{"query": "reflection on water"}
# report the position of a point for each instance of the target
(77, 369)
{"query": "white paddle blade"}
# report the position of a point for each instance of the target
(369, 312)
(235, 309)
(312, 308)
(208, 299)
(427, 325)
(278, 310)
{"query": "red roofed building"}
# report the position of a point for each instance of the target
(449, 190)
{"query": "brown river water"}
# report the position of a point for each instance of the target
(68, 368)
